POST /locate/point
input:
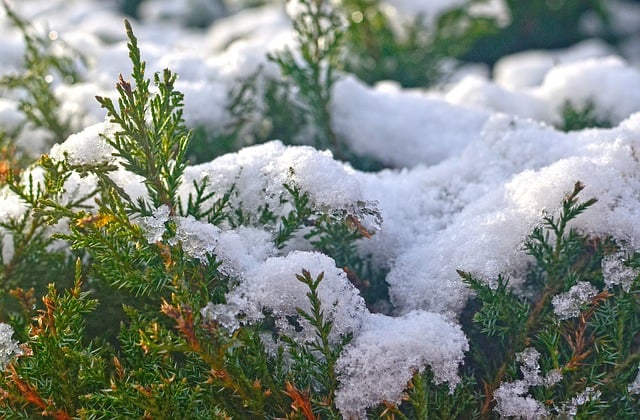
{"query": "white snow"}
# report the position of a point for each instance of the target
(471, 170)
(423, 132)
(513, 398)
(86, 147)
(569, 304)
(272, 287)
(8, 347)
(381, 360)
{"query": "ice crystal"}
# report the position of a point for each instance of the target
(513, 398)
(8, 347)
(634, 387)
(615, 273)
(567, 305)
(198, 239)
(589, 394)
(530, 367)
(154, 225)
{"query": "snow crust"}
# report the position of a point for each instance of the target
(473, 168)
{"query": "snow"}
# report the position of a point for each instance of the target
(528, 68)
(423, 133)
(568, 305)
(472, 168)
(513, 398)
(257, 175)
(615, 273)
(87, 147)
(609, 82)
(8, 347)
(272, 287)
(377, 365)
(634, 387)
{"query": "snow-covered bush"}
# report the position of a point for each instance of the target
(173, 260)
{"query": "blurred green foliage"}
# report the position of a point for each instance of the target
(535, 24)
(413, 56)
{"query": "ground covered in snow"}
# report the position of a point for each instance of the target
(471, 167)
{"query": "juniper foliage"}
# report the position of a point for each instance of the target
(42, 66)
(164, 359)
(120, 330)
(578, 118)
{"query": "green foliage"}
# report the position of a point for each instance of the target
(312, 67)
(594, 351)
(576, 118)
(537, 24)
(413, 56)
(145, 350)
(156, 150)
(429, 401)
(314, 363)
(57, 370)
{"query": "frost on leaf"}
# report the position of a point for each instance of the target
(377, 365)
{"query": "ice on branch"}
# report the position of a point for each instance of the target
(589, 394)
(8, 347)
(513, 400)
(567, 305)
(198, 239)
(154, 225)
(237, 250)
(378, 364)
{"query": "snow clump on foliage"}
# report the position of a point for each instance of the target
(382, 358)
(8, 347)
